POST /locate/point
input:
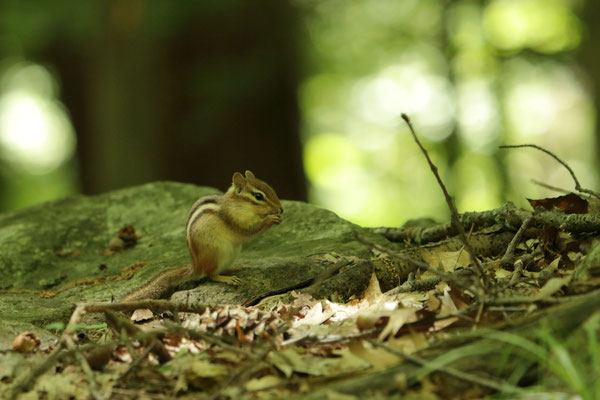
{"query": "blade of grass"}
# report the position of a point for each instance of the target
(450, 357)
(565, 368)
(590, 327)
(536, 350)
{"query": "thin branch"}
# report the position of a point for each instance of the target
(561, 162)
(454, 216)
(421, 285)
(515, 241)
(154, 305)
(243, 373)
(85, 366)
(121, 324)
(516, 275)
(550, 187)
(137, 361)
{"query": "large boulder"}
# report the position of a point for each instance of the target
(55, 254)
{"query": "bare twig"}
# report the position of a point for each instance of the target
(454, 216)
(416, 285)
(516, 273)
(550, 187)
(137, 361)
(154, 305)
(243, 373)
(510, 250)
(561, 162)
(121, 324)
(85, 366)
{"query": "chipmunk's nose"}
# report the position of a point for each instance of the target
(280, 210)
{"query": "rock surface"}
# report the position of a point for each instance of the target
(59, 247)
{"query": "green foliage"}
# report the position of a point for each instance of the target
(55, 326)
(574, 361)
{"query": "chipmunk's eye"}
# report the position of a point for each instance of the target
(258, 196)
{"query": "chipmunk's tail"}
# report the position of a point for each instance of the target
(160, 285)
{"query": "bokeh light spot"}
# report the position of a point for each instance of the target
(35, 134)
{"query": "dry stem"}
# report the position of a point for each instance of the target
(454, 216)
(561, 162)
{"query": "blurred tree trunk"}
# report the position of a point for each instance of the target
(190, 91)
(589, 57)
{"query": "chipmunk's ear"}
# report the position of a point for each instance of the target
(250, 175)
(238, 181)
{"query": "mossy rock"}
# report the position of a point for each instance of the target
(54, 254)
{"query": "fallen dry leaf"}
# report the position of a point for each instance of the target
(569, 204)
(373, 291)
(448, 260)
(142, 314)
(553, 286)
(397, 319)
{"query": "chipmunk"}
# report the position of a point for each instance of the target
(215, 229)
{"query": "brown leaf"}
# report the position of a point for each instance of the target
(553, 286)
(448, 260)
(569, 204)
(98, 358)
(433, 303)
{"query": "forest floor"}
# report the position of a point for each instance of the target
(499, 304)
(525, 327)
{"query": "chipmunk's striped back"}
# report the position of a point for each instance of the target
(205, 204)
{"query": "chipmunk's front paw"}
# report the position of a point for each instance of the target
(229, 280)
(273, 219)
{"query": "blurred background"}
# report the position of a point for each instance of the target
(100, 95)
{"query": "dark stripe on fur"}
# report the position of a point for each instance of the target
(209, 211)
(210, 200)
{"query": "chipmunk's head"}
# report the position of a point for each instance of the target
(257, 193)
